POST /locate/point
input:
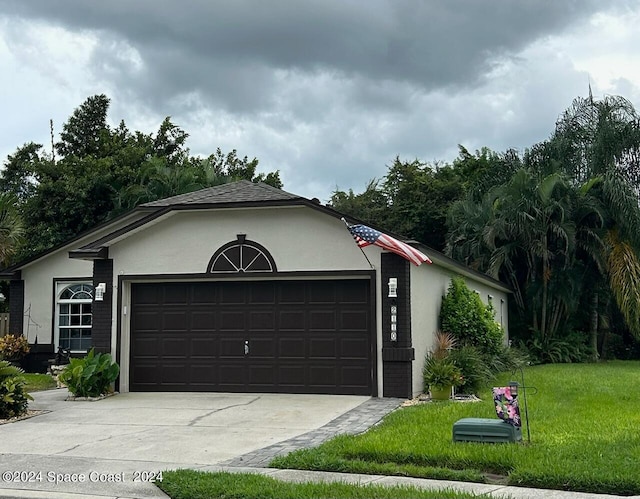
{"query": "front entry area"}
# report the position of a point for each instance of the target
(281, 336)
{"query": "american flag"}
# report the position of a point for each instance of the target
(365, 236)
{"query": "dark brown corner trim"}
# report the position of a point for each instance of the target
(101, 253)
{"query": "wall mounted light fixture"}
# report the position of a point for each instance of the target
(101, 289)
(393, 287)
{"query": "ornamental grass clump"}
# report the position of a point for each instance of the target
(14, 399)
(439, 371)
(13, 347)
(91, 376)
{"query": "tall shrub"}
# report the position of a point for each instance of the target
(469, 320)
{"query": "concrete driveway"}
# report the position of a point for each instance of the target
(136, 433)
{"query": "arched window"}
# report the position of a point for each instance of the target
(241, 256)
(74, 316)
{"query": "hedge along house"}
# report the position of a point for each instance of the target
(240, 288)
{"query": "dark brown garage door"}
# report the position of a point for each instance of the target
(260, 336)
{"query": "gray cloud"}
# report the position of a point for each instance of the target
(227, 51)
(328, 91)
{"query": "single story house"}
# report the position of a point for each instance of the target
(240, 287)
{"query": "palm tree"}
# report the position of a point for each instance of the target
(11, 230)
(566, 226)
(599, 141)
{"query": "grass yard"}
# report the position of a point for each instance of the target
(38, 382)
(189, 484)
(584, 436)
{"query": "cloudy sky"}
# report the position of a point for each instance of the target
(329, 91)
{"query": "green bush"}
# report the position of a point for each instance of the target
(13, 347)
(14, 399)
(472, 364)
(571, 347)
(468, 319)
(90, 376)
(508, 359)
(440, 373)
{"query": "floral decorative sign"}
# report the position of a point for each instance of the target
(507, 407)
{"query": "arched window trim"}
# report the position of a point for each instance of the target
(241, 266)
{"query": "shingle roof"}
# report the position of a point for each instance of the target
(235, 192)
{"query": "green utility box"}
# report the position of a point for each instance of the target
(485, 430)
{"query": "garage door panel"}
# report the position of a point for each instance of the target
(205, 346)
(174, 347)
(322, 292)
(303, 336)
(175, 294)
(354, 320)
(291, 320)
(146, 321)
(233, 293)
(203, 374)
(232, 374)
(292, 292)
(173, 373)
(322, 320)
(203, 293)
(232, 320)
(292, 375)
(354, 348)
(146, 295)
(322, 376)
(322, 348)
(145, 347)
(291, 348)
(353, 292)
(175, 321)
(262, 293)
(231, 347)
(262, 348)
(146, 373)
(262, 375)
(203, 320)
(262, 320)
(355, 376)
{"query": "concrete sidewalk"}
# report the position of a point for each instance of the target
(495, 491)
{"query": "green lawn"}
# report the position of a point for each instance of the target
(38, 382)
(189, 484)
(585, 421)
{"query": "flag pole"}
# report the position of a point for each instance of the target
(360, 248)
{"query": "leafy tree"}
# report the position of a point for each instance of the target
(412, 199)
(102, 171)
(21, 171)
(86, 133)
(370, 206)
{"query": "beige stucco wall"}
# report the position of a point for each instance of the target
(298, 238)
(39, 291)
(39, 278)
(429, 283)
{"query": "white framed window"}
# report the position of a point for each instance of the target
(73, 315)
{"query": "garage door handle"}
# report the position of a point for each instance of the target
(246, 347)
